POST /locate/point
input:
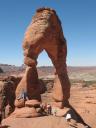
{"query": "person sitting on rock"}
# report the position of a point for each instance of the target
(43, 108)
(23, 95)
(49, 109)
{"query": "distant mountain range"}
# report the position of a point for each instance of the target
(11, 68)
(81, 73)
(47, 69)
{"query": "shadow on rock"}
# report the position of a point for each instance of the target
(75, 116)
(4, 126)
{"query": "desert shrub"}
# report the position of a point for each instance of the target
(89, 83)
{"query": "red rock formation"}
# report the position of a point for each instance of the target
(29, 84)
(25, 112)
(45, 33)
(32, 103)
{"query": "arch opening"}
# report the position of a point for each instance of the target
(44, 59)
(45, 66)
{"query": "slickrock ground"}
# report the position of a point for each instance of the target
(41, 122)
(83, 101)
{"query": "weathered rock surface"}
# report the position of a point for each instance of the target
(25, 112)
(57, 104)
(79, 98)
(19, 103)
(60, 112)
(45, 33)
(41, 122)
(32, 103)
(29, 84)
(7, 94)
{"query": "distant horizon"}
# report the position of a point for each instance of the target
(49, 65)
(78, 20)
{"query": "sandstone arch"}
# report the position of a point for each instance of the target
(45, 33)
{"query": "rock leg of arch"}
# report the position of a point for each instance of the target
(61, 89)
(29, 84)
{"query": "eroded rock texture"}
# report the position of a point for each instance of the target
(7, 95)
(45, 33)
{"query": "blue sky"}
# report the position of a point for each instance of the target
(78, 19)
